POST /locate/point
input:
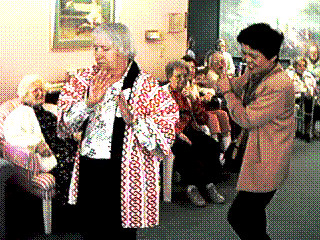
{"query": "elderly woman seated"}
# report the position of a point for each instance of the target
(304, 83)
(204, 88)
(196, 153)
(221, 46)
(33, 126)
(313, 59)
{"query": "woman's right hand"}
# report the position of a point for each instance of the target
(98, 88)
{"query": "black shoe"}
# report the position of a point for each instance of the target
(195, 196)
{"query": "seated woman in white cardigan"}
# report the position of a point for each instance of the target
(33, 126)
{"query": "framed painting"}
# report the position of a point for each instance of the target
(74, 21)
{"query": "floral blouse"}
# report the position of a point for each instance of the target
(100, 119)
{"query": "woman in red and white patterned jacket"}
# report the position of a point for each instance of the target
(128, 127)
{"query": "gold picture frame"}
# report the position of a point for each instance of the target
(75, 19)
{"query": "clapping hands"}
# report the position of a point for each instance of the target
(186, 91)
(125, 110)
(101, 81)
(207, 97)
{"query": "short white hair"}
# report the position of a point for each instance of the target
(26, 82)
(120, 36)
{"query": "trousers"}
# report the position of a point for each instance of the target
(97, 212)
(247, 214)
(198, 163)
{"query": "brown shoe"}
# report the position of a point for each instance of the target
(195, 196)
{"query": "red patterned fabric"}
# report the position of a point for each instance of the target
(187, 109)
(140, 186)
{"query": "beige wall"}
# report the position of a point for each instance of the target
(25, 40)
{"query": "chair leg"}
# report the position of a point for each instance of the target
(47, 215)
(167, 179)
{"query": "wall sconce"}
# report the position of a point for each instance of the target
(153, 35)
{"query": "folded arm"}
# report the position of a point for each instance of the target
(266, 107)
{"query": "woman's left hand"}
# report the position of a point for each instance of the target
(223, 81)
(124, 108)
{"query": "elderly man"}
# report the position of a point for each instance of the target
(261, 101)
(196, 153)
(128, 127)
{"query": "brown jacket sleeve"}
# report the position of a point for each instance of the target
(237, 84)
(266, 107)
(269, 103)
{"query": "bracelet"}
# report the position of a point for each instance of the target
(228, 91)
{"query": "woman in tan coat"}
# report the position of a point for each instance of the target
(262, 103)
